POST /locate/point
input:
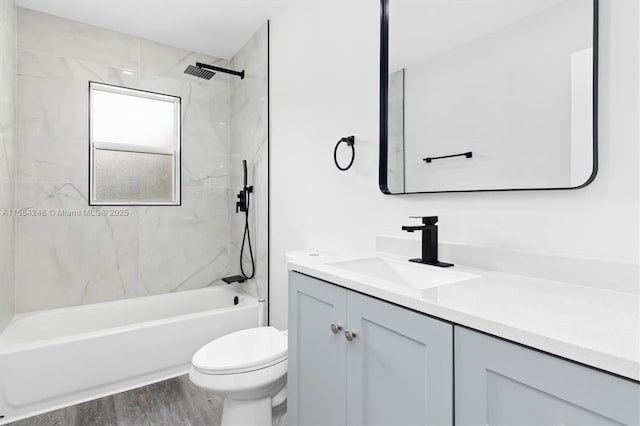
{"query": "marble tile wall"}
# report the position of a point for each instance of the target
(8, 32)
(66, 260)
(249, 141)
(395, 132)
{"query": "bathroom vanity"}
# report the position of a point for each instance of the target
(366, 347)
(385, 364)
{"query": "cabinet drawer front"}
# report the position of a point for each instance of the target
(501, 383)
(400, 365)
(316, 385)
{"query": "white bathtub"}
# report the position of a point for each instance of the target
(55, 358)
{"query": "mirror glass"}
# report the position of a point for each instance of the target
(483, 95)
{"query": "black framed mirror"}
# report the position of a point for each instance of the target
(488, 95)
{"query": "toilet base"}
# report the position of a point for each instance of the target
(255, 412)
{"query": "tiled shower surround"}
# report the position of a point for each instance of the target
(64, 260)
(249, 136)
(7, 156)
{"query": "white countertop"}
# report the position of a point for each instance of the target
(594, 326)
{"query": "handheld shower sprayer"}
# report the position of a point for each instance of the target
(244, 170)
(242, 205)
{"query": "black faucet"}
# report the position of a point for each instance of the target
(429, 241)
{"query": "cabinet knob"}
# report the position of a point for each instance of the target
(350, 335)
(335, 328)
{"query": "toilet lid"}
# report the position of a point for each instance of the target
(244, 350)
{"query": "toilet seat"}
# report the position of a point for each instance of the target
(241, 352)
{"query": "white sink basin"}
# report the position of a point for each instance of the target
(403, 273)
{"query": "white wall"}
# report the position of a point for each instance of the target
(324, 85)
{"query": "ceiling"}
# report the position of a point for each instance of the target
(215, 27)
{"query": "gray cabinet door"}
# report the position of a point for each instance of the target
(316, 385)
(501, 383)
(399, 365)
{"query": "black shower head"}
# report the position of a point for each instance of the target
(203, 70)
(199, 72)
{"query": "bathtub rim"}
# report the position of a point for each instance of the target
(9, 347)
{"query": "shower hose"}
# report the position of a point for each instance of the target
(247, 238)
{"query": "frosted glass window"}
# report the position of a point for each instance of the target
(135, 146)
(133, 176)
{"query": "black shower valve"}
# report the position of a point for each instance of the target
(241, 204)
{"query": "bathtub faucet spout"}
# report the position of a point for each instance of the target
(234, 279)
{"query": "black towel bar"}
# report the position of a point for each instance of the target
(466, 154)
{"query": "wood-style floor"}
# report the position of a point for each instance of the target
(174, 402)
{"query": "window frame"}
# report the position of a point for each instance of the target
(140, 149)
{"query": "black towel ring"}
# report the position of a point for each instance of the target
(349, 140)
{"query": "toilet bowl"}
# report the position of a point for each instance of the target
(249, 369)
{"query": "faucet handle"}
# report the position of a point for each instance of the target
(426, 220)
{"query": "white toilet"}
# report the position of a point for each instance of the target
(249, 369)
